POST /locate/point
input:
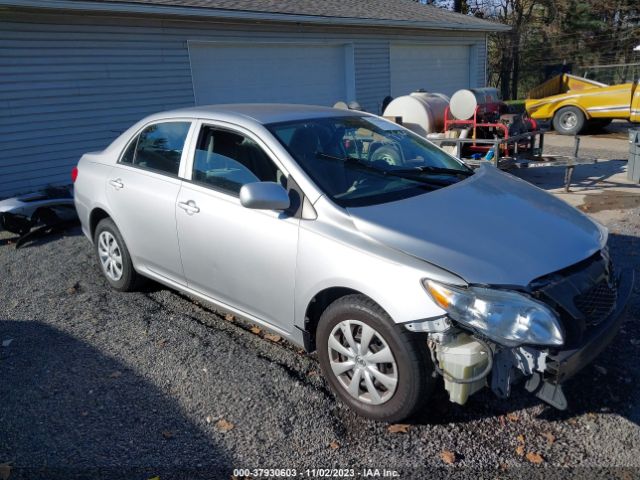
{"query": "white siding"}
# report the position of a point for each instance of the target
(70, 84)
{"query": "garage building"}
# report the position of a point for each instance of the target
(76, 73)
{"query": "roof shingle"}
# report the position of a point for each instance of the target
(401, 12)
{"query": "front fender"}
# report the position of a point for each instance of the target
(325, 262)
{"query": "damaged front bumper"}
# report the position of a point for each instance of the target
(546, 371)
(542, 369)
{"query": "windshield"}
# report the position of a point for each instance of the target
(360, 161)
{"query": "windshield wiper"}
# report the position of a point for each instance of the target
(433, 169)
(407, 174)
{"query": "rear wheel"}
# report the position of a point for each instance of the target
(569, 121)
(372, 365)
(113, 256)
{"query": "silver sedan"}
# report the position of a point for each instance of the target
(350, 235)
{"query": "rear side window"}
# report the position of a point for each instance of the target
(158, 147)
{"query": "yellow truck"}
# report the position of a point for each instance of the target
(573, 103)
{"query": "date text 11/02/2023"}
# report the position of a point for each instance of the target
(315, 473)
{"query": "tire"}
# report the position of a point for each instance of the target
(410, 366)
(121, 276)
(569, 121)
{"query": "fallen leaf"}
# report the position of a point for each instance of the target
(398, 428)
(7, 342)
(229, 317)
(115, 374)
(71, 290)
(520, 450)
(626, 475)
(256, 330)
(334, 445)
(167, 434)
(5, 471)
(520, 438)
(273, 337)
(224, 426)
(154, 478)
(535, 458)
(503, 467)
(512, 417)
(448, 457)
(600, 370)
(591, 416)
(550, 437)
(162, 342)
(502, 420)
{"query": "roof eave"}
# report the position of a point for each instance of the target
(105, 7)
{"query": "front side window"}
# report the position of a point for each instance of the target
(363, 160)
(158, 147)
(228, 160)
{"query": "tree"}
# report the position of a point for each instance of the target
(545, 33)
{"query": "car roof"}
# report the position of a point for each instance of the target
(264, 113)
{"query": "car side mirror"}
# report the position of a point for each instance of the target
(264, 196)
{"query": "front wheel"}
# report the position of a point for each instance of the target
(372, 365)
(569, 121)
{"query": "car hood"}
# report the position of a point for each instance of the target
(491, 228)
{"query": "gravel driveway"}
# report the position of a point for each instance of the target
(100, 384)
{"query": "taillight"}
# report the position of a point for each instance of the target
(74, 174)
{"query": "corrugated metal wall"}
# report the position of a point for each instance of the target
(70, 83)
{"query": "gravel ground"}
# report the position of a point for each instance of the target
(100, 384)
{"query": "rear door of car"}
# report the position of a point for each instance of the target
(240, 257)
(142, 189)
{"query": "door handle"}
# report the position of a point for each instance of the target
(116, 183)
(189, 206)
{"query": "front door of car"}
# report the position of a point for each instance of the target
(241, 257)
(142, 189)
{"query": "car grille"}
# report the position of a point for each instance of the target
(583, 294)
(597, 302)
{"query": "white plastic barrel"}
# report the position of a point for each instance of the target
(464, 102)
(421, 112)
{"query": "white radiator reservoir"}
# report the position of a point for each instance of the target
(463, 358)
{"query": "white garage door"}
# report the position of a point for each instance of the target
(285, 73)
(435, 68)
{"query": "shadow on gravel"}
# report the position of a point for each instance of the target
(608, 385)
(68, 411)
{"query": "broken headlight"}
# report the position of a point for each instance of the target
(507, 317)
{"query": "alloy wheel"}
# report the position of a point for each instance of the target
(568, 120)
(363, 362)
(110, 255)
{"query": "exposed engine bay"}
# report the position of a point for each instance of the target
(588, 298)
